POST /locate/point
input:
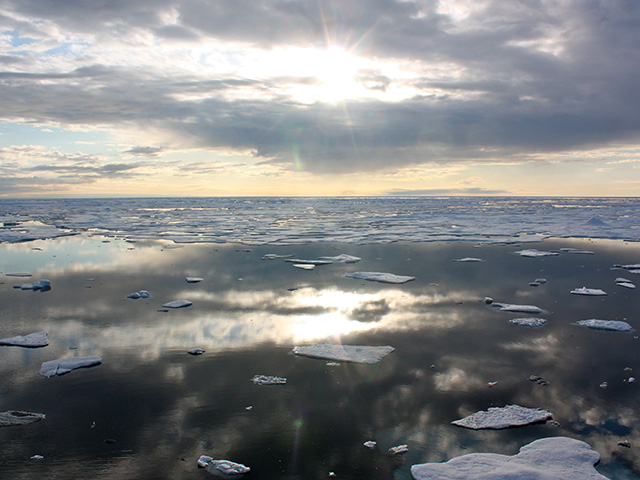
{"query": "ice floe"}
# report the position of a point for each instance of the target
(226, 467)
(513, 308)
(535, 253)
(342, 258)
(380, 277)
(274, 256)
(577, 251)
(544, 459)
(43, 285)
(302, 261)
(19, 274)
(467, 260)
(530, 322)
(623, 282)
(65, 365)
(370, 444)
(593, 292)
(304, 266)
(608, 325)
(194, 279)
(268, 380)
(177, 304)
(503, 417)
(631, 268)
(196, 351)
(398, 449)
(140, 294)
(19, 417)
(345, 353)
(32, 340)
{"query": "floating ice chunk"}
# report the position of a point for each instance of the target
(194, 279)
(594, 292)
(534, 253)
(577, 250)
(544, 459)
(308, 262)
(304, 266)
(538, 380)
(380, 277)
(623, 282)
(33, 340)
(370, 444)
(514, 308)
(18, 417)
(37, 457)
(540, 280)
(178, 304)
(399, 449)
(503, 417)
(43, 285)
(468, 260)
(342, 258)
(24, 274)
(140, 294)
(196, 351)
(225, 467)
(345, 353)
(65, 365)
(268, 380)
(274, 256)
(530, 322)
(609, 325)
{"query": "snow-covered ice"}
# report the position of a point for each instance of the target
(140, 294)
(18, 417)
(594, 292)
(503, 417)
(268, 380)
(380, 277)
(609, 325)
(345, 353)
(177, 304)
(65, 365)
(551, 458)
(194, 279)
(32, 340)
(226, 467)
(530, 322)
(535, 253)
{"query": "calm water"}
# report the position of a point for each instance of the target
(150, 410)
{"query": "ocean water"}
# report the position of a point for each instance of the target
(151, 409)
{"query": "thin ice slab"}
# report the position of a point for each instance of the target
(342, 258)
(380, 277)
(608, 325)
(65, 365)
(514, 308)
(593, 292)
(544, 459)
(468, 260)
(530, 322)
(345, 353)
(193, 279)
(178, 304)
(535, 253)
(19, 417)
(33, 340)
(226, 467)
(503, 417)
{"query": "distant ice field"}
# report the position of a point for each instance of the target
(350, 220)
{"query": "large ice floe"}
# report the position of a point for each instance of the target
(32, 340)
(65, 365)
(592, 292)
(224, 467)
(19, 417)
(550, 458)
(380, 277)
(503, 417)
(345, 353)
(607, 325)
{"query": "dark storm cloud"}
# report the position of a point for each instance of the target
(507, 96)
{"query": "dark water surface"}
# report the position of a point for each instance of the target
(150, 409)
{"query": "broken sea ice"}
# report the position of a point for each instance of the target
(345, 353)
(65, 365)
(608, 325)
(503, 417)
(140, 294)
(33, 340)
(225, 467)
(380, 277)
(544, 459)
(18, 417)
(342, 258)
(594, 292)
(268, 380)
(529, 322)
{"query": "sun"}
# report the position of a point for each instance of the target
(336, 74)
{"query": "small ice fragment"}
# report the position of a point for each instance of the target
(342, 258)
(467, 260)
(196, 351)
(535, 253)
(19, 417)
(576, 250)
(19, 274)
(177, 304)
(333, 364)
(370, 444)
(623, 282)
(604, 385)
(503, 417)
(488, 300)
(530, 322)
(308, 262)
(345, 353)
(544, 459)
(273, 256)
(332, 474)
(304, 266)
(491, 384)
(541, 280)
(140, 294)
(631, 379)
(65, 365)
(538, 380)
(194, 279)
(609, 325)
(44, 285)
(249, 407)
(534, 284)
(37, 457)
(268, 380)
(33, 340)
(380, 277)
(399, 449)
(509, 307)
(588, 291)
(226, 467)
(624, 443)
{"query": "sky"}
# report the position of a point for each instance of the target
(319, 97)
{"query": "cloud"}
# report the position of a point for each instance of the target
(446, 191)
